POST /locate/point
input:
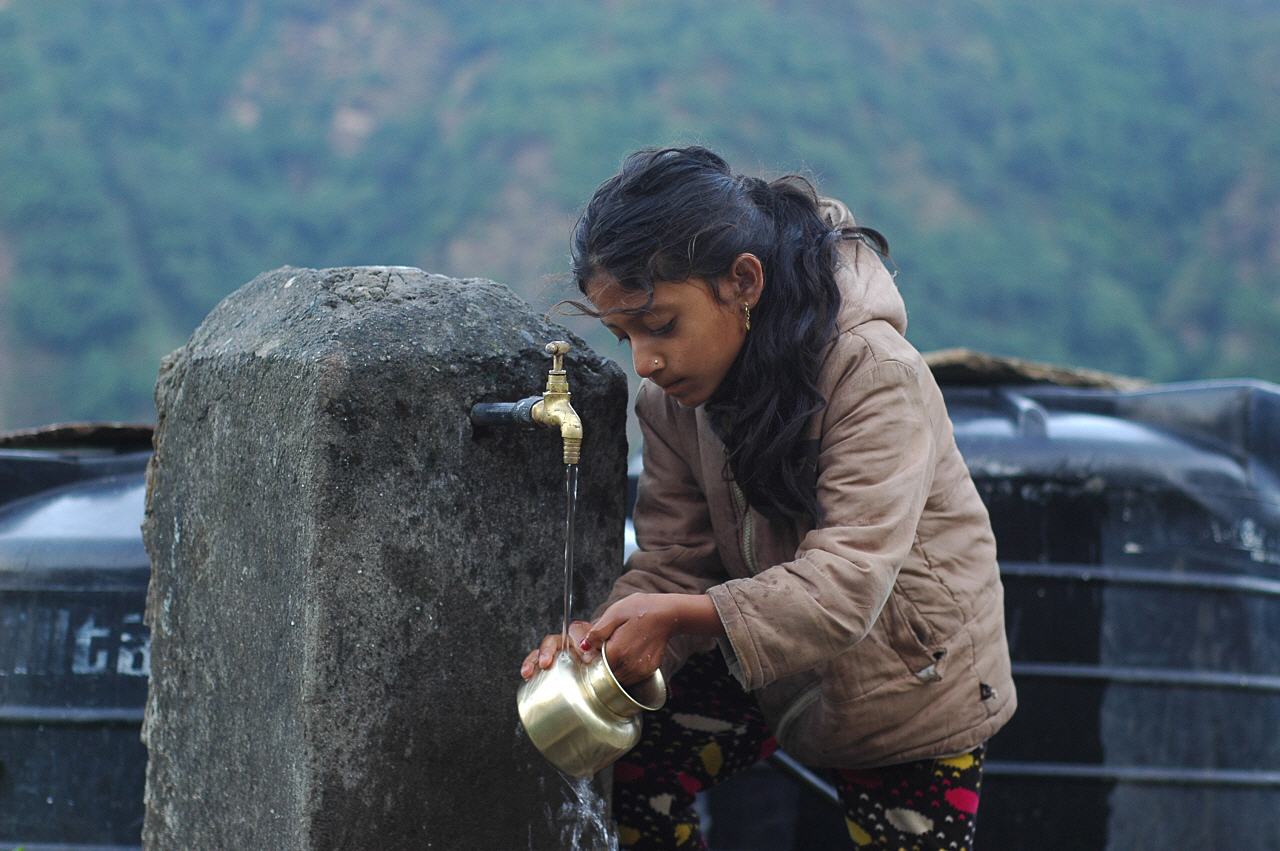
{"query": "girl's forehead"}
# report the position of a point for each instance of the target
(607, 294)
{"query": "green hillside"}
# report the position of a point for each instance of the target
(1092, 182)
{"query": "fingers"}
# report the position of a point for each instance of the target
(548, 650)
(633, 657)
(529, 665)
(577, 638)
(632, 667)
(637, 632)
(578, 629)
(634, 652)
(594, 638)
(545, 655)
(542, 657)
(637, 636)
(612, 618)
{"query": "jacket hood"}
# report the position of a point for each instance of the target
(867, 289)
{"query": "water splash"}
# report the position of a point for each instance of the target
(584, 818)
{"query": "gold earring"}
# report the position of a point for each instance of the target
(746, 308)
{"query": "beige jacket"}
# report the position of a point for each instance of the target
(878, 636)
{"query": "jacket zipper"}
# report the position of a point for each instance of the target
(802, 702)
(748, 529)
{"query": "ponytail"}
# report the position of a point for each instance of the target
(762, 407)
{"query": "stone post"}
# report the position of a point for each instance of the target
(345, 576)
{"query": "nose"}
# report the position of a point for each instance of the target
(645, 362)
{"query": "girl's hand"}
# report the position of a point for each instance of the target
(638, 629)
(546, 652)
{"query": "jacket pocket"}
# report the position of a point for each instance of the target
(908, 634)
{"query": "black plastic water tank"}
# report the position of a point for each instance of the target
(75, 655)
(1139, 543)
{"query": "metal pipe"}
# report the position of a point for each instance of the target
(69, 715)
(1196, 580)
(1164, 775)
(805, 779)
(1171, 677)
(505, 413)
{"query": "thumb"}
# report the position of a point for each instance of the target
(597, 635)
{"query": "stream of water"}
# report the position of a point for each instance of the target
(583, 815)
(570, 512)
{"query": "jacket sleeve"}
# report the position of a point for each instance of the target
(677, 550)
(877, 457)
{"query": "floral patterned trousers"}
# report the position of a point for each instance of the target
(710, 730)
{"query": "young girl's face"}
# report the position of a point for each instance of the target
(686, 339)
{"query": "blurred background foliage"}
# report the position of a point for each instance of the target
(1088, 182)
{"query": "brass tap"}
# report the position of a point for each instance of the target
(551, 409)
(554, 408)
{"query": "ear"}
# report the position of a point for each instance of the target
(744, 281)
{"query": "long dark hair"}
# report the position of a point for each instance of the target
(675, 213)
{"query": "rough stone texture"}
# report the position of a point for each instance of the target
(345, 576)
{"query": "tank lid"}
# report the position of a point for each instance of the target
(72, 437)
(90, 525)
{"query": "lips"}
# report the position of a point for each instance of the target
(669, 388)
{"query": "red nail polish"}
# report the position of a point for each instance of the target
(584, 645)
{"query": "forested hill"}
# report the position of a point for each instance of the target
(1090, 182)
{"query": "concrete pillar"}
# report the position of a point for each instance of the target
(345, 577)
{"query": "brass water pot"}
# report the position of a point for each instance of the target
(580, 717)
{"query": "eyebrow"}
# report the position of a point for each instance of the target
(637, 312)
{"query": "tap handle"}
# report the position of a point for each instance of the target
(557, 349)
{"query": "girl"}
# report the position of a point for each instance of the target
(816, 569)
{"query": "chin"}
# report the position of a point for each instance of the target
(688, 399)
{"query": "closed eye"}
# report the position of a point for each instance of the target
(617, 332)
(665, 329)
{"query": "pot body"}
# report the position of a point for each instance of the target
(579, 717)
